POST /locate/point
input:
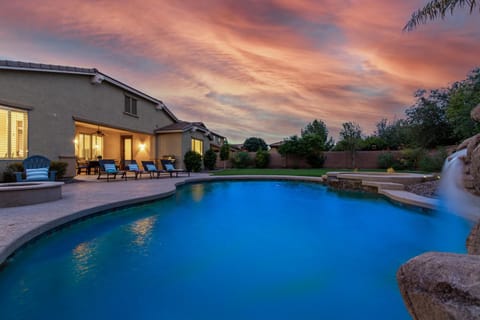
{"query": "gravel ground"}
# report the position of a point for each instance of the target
(426, 189)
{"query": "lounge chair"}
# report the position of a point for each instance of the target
(151, 168)
(170, 168)
(108, 167)
(37, 168)
(132, 166)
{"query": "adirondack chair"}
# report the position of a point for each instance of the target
(37, 168)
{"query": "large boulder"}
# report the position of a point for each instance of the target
(441, 286)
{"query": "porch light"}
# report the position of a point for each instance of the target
(75, 141)
(142, 146)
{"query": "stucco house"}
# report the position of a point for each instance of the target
(70, 113)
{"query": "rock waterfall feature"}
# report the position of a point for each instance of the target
(438, 285)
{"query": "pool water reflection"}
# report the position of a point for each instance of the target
(229, 250)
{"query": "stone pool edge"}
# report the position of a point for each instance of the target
(33, 229)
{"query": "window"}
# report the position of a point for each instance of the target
(197, 145)
(130, 105)
(13, 133)
(89, 146)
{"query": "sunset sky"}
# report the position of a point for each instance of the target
(252, 68)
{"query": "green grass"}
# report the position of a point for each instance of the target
(289, 172)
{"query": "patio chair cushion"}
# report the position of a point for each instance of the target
(169, 167)
(133, 167)
(151, 167)
(110, 167)
(39, 174)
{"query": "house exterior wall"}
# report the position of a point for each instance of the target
(170, 144)
(55, 99)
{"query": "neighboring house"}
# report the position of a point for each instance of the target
(70, 113)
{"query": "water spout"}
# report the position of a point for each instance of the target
(453, 196)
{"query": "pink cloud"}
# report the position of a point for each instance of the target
(251, 68)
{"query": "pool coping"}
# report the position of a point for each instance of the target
(21, 225)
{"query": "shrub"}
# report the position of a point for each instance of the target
(241, 160)
(210, 159)
(386, 160)
(262, 159)
(433, 163)
(410, 158)
(315, 160)
(9, 173)
(60, 167)
(193, 161)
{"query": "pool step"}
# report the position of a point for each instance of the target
(384, 185)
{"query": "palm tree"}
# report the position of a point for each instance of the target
(435, 9)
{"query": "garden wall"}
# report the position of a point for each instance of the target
(334, 160)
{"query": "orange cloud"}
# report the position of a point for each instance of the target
(252, 68)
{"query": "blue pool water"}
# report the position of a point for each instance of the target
(229, 250)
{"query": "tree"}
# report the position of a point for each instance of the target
(319, 129)
(395, 135)
(428, 120)
(435, 9)
(210, 159)
(351, 135)
(253, 144)
(463, 97)
(225, 153)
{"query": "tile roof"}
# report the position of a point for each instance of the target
(9, 64)
(179, 126)
(183, 126)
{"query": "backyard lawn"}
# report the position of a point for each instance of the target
(292, 172)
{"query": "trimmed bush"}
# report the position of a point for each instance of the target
(210, 159)
(315, 160)
(9, 173)
(60, 167)
(193, 161)
(433, 163)
(386, 160)
(262, 159)
(241, 160)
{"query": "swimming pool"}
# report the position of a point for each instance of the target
(229, 250)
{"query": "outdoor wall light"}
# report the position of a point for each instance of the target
(142, 146)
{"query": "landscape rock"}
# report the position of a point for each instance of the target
(438, 286)
(473, 240)
(475, 168)
(475, 113)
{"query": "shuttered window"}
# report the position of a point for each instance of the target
(130, 105)
(13, 133)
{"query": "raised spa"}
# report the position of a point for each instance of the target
(25, 193)
(229, 250)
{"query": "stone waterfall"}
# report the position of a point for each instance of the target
(454, 198)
